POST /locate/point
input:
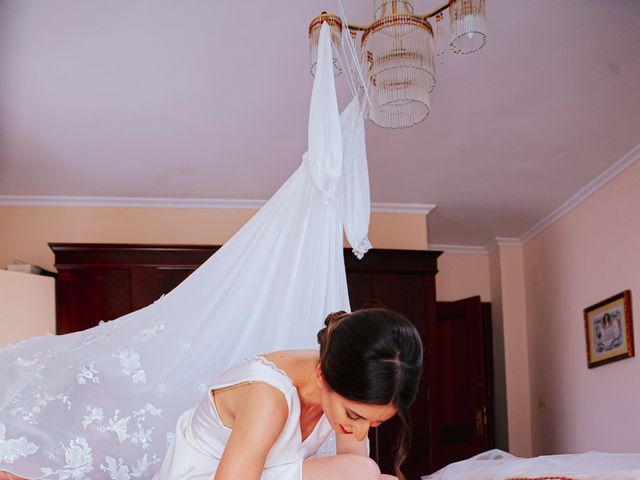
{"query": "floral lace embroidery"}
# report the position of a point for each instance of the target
(78, 461)
(162, 389)
(118, 470)
(13, 448)
(130, 363)
(95, 414)
(201, 386)
(37, 363)
(139, 434)
(87, 373)
(100, 334)
(149, 333)
(40, 399)
(361, 248)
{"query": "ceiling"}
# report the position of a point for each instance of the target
(209, 100)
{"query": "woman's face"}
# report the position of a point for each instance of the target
(352, 418)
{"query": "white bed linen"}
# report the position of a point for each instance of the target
(499, 465)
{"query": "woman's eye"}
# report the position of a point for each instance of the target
(351, 416)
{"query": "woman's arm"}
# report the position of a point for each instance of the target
(260, 412)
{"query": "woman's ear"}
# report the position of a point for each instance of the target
(320, 377)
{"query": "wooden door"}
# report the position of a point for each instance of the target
(458, 389)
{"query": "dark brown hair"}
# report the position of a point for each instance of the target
(374, 356)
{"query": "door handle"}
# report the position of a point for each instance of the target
(480, 420)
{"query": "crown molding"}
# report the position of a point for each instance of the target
(592, 187)
(151, 202)
(458, 248)
(503, 242)
(421, 208)
(126, 202)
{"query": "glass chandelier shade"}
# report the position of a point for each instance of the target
(401, 69)
(399, 53)
(467, 22)
(335, 27)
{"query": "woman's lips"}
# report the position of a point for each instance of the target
(344, 431)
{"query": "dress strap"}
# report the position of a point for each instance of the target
(256, 369)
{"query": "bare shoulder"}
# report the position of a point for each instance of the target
(261, 412)
(250, 402)
(259, 394)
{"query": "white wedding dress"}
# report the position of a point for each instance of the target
(201, 436)
(103, 403)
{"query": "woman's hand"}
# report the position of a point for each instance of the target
(260, 413)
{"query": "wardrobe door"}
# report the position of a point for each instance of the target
(86, 296)
(402, 281)
(105, 281)
(407, 294)
(148, 284)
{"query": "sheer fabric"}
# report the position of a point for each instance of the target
(103, 403)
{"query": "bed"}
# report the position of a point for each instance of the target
(499, 465)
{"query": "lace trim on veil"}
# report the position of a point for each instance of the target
(361, 248)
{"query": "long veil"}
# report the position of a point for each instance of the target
(103, 403)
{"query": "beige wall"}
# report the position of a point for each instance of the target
(27, 306)
(26, 230)
(462, 275)
(500, 388)
(588, 255)
(508, 294)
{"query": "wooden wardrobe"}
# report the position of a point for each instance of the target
(98, 282)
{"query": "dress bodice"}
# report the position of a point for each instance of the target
(201, 436)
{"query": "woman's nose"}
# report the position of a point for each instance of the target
(362, 431)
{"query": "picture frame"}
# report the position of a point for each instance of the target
(609, 330)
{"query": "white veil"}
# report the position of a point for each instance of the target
(102, 403)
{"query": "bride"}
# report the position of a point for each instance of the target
(263, 418)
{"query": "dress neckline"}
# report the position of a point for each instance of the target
(268, 363)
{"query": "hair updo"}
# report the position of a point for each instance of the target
(374, 356)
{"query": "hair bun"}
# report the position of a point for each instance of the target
(330, 323)
(334, 318)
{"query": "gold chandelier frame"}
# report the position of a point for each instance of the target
(426, 16)
(400, 49)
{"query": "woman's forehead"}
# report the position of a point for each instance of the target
(369, 411)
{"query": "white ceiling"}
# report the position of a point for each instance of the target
(209, 100)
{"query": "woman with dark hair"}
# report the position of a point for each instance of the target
(263, 418)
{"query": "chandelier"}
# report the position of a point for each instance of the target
(399, 51)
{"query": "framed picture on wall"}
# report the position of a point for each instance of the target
(609, 330)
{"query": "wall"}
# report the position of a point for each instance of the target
(462, 275)
(27, 306)
(26, 230)
(588, 255)
(511, 359)
(501, 421)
